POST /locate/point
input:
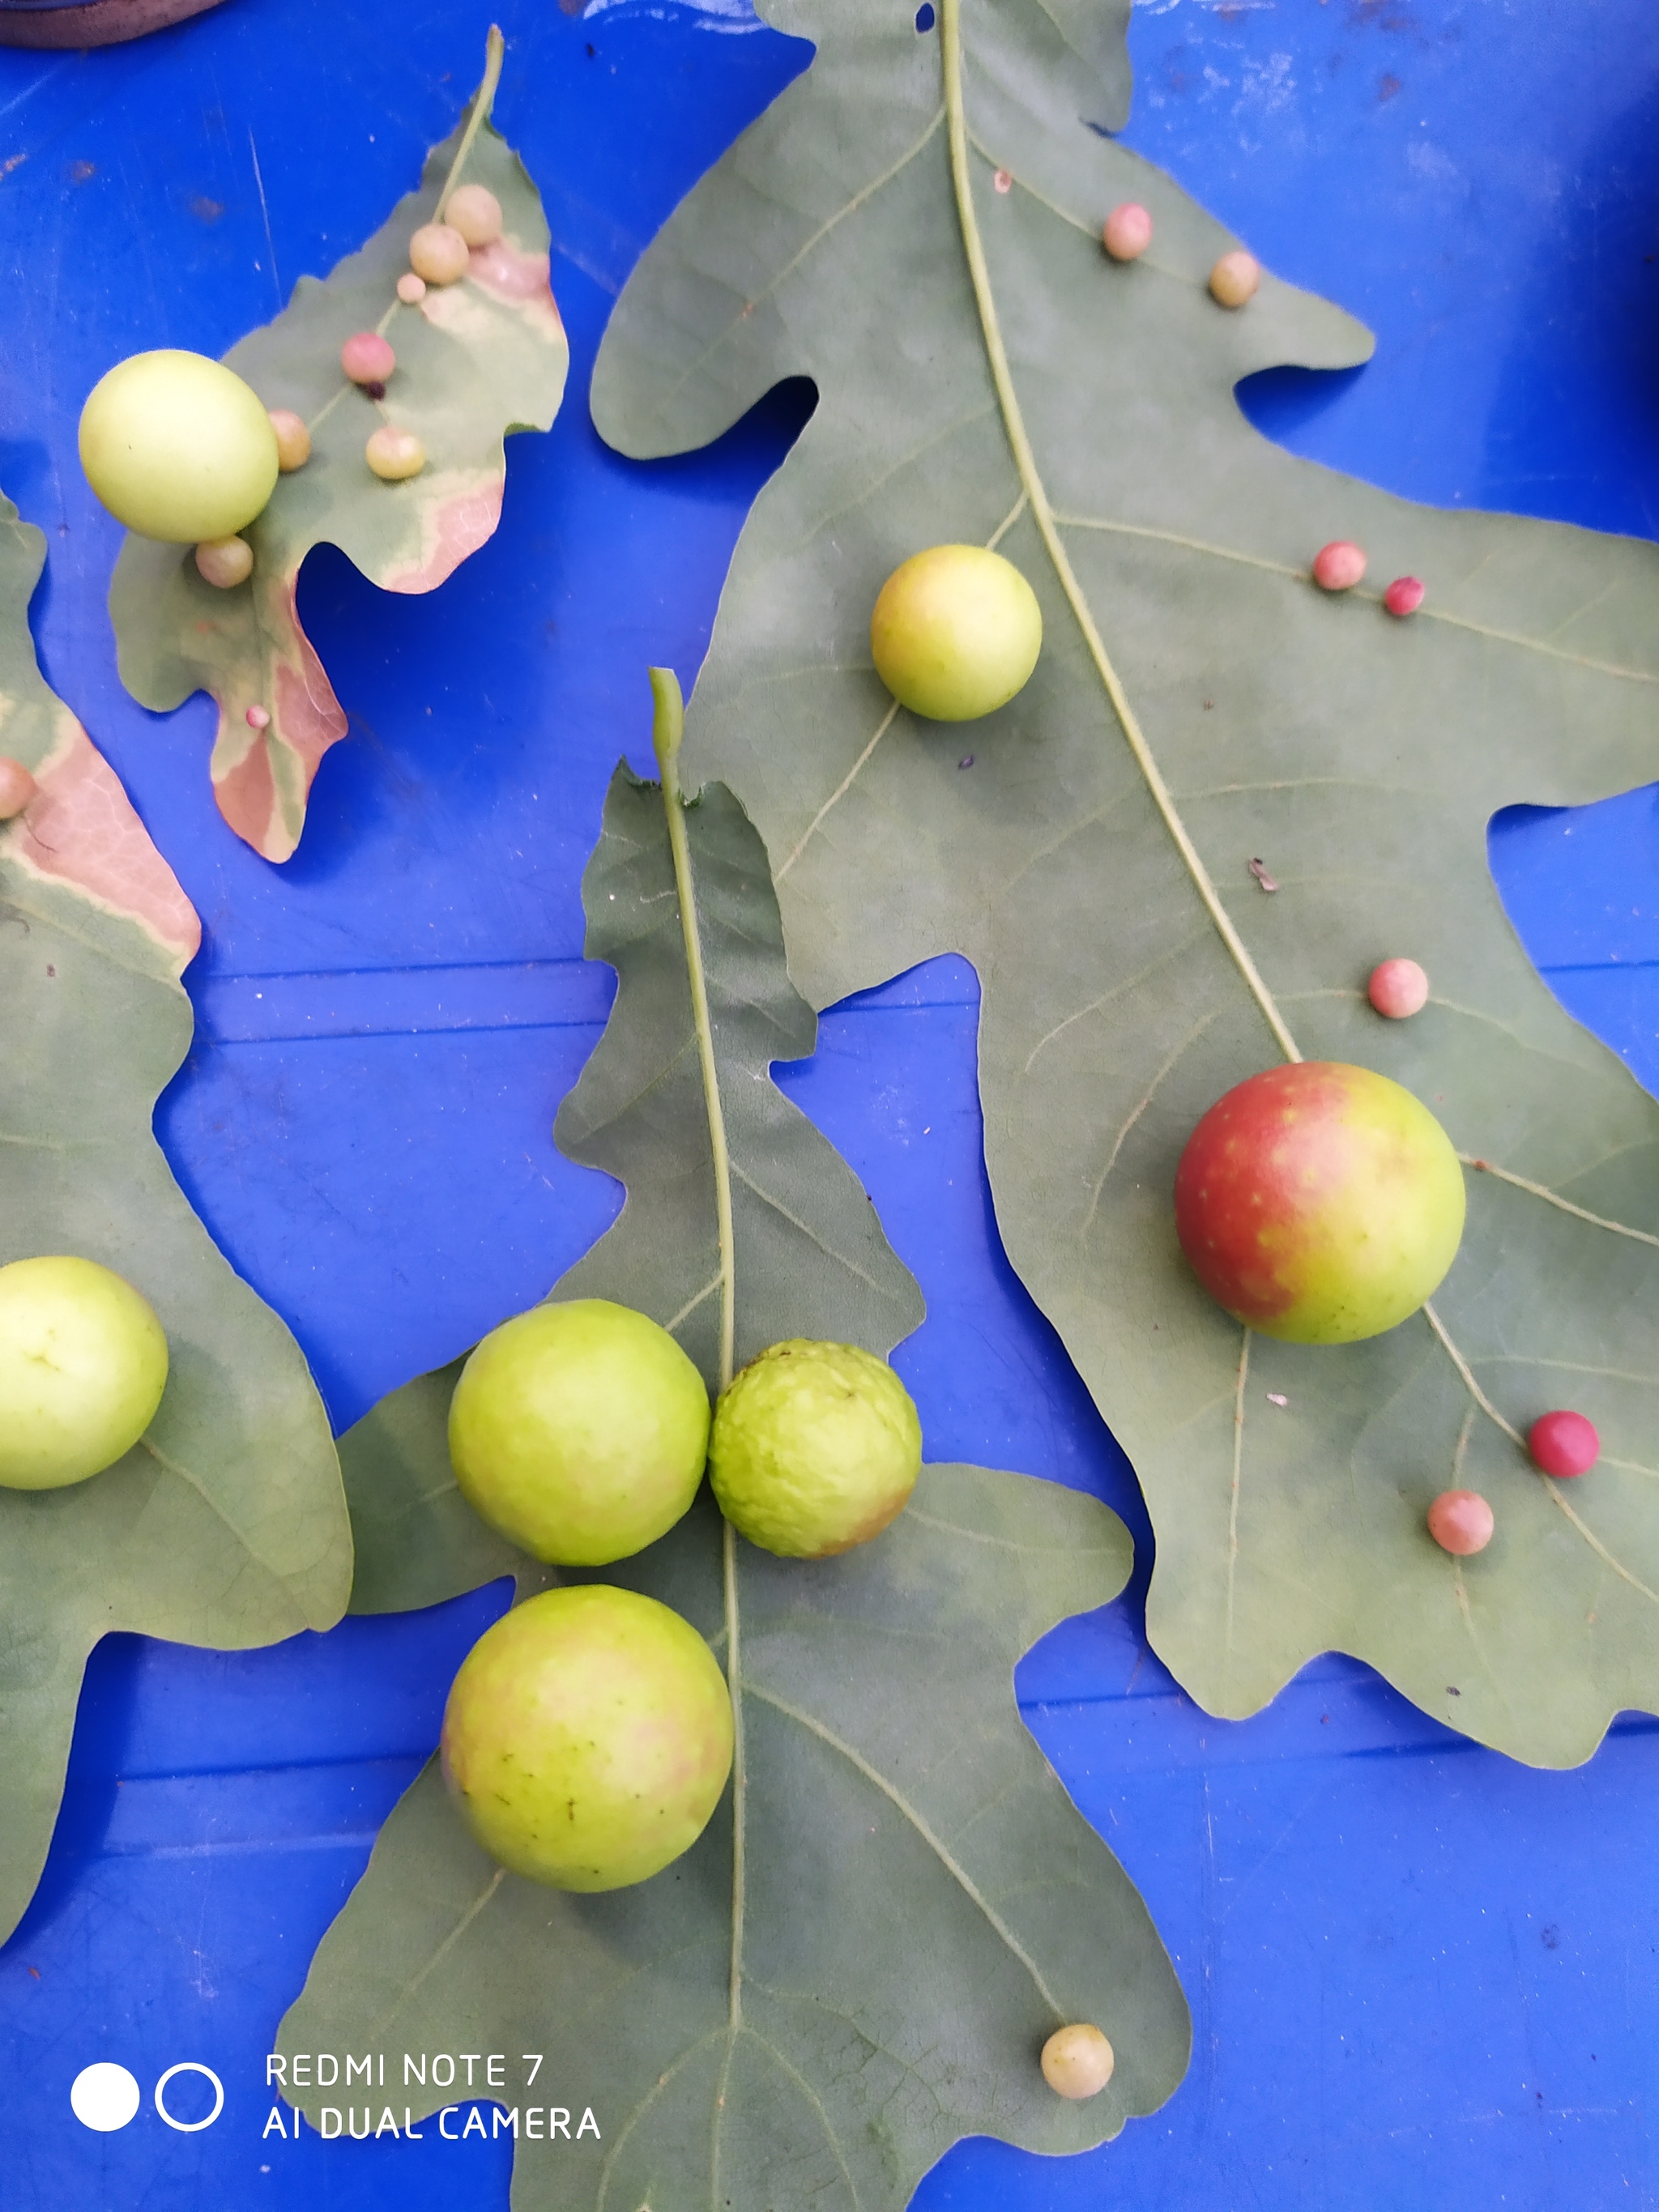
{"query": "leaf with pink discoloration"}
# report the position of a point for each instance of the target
(476, 360)
(225, 1525)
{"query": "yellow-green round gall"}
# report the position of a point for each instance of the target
(475, 211)
(83, 1362)
(815, 1448)
(1077, 2061)
(178, 447)
(394, 453)
(580, 1430)
(956, 632)
(587, 1737)
(438, 253)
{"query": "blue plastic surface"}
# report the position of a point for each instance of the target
(1421, 1977)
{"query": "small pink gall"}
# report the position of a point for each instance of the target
(1339, 566)
(368, 358)
(411, 289)
(1461, 1521)
(224, 563)
(1398, 988)
(1126, 232)
(293, 440)
(1404, 596)
(1235, 277)
(17, 788)
(1564, 1444)
(258, 719)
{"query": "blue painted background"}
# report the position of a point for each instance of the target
(1421, 1977)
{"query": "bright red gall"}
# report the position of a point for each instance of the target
(1564, 1444)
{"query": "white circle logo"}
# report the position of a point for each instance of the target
(186, 2066)
(105, 2097)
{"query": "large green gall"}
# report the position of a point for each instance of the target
(815, 1448)
(1319, 1203)
(178, 447)
(588, 1738)
(578, 1429)
(955, 632)
(83, 1362)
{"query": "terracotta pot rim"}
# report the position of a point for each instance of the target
(89, 22)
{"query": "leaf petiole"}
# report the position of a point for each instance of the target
(483, 101)
(667, 729)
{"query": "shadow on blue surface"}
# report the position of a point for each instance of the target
(1421, 1975)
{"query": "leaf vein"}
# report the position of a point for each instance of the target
(860, 198)
(1554, 1198)
(1179, 1052)
(776, 1206)
(939, 1850)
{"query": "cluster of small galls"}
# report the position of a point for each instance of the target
(438, 253)
(1126, 235)
(1560, 1444)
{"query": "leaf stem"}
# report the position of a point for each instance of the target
(483, 101)
(667, 729)
(1025, 461)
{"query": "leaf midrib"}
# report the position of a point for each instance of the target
(1030, 477)
(668, 729)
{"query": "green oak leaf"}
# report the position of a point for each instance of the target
(476, 360)
(225, 1524)
(915, 225)
(896, 1903)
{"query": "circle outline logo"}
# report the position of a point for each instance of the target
(190, 2066)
